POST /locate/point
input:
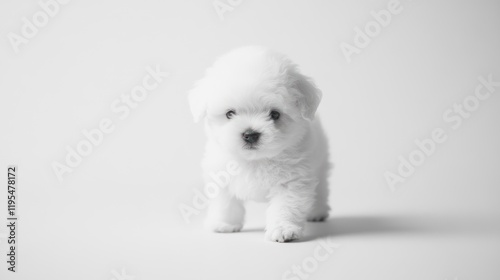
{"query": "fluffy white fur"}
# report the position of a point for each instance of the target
(288, 167)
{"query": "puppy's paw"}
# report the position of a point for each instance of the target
(319, 213)
(284, 233)
(223, 227)
(319, 217)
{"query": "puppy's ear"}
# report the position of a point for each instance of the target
(198, 101)
(309, 95)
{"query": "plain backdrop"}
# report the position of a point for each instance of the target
(117, 213)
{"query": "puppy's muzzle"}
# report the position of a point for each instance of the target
(251, 136)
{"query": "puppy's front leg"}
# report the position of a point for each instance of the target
(287, 211)
(225, 213)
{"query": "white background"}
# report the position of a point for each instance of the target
(119, 208)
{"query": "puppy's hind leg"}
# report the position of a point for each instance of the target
(225, 213)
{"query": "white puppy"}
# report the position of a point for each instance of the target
(259, 112)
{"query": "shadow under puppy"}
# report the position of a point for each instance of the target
(258, 111)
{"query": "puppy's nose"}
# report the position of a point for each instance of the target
(251, 136)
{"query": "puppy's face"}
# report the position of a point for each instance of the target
(255, 103)
(255, 123)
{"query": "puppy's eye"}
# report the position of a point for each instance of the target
(230, 114)
(275, 115)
